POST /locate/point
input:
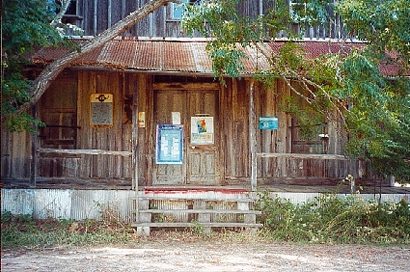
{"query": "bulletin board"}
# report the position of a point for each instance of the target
(169, 144)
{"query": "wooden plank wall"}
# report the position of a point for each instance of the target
(108, 12)
(301, 171)
(283, 170)
(117, 137)
(107, 168)
(146, 135)
(235, 130)
(106, 138)
(15, 155)
(234, 102)
(98, 15)
(289, 170)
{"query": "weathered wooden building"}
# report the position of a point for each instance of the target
(145, 111)
(155, 82)
(167, 79)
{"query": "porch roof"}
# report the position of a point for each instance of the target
(185, 56)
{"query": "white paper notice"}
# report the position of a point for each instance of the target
(176, 118)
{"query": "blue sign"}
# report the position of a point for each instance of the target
(169, 149)
(268, 123)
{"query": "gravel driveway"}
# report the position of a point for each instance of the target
(210, 255)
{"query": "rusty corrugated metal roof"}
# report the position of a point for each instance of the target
(314, 49)
(47, 55)
(161, 56)
(187, 56)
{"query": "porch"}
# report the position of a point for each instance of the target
(106, 184)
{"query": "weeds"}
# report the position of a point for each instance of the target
(197, 228)
(23, 230)
(325, 219)
(328, 219)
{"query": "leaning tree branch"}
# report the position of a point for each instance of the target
(43, 81)
(63, 9)
(282, 75)
(306, 82)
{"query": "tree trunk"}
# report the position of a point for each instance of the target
(43, 81)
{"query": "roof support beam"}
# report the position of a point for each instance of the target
(252, 136)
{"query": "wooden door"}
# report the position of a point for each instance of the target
(201, 161)
(202, 158)
(166, 102)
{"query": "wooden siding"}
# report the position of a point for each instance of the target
(235, 132)
(70, 94)
(98, 15)
(275, 169)
(15, 154)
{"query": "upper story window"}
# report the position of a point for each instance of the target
(296, 9)
(72, 8)
(71, 16)
(177, 10)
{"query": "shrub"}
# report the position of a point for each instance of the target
(329, 218)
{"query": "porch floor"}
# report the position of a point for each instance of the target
(115, 185)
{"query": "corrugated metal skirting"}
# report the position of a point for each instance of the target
(91, 204)
(68, 204)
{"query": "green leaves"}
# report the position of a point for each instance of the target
(329, 218)
(225, 59)
(374, 107)
(384, 23)
(26, 26)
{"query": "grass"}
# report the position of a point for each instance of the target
(327, 219)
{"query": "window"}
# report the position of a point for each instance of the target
(58, 111)
(72, 8)
(297, 11)
(177, 10)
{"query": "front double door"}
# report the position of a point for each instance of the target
(191, 109)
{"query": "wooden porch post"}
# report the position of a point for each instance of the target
(34, 153)
(252, 136)
(134, 138)
(134, 146)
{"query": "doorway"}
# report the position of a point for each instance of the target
(197, 112)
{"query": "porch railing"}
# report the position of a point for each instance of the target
(254, 181)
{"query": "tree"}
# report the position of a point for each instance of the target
(374, 108)
(26, 26)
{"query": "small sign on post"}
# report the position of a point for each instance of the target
(141, 119)
(268, 123)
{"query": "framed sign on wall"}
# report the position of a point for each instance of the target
(169, 144)
(202, 130)
(101, 109)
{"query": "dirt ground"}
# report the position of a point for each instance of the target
(210, 255)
